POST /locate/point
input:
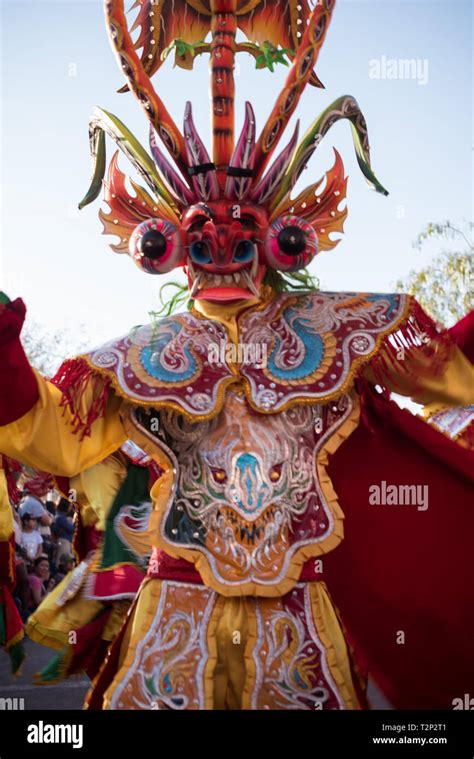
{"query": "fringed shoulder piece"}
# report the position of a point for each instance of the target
(418, 348)
(84, 394)
(313, 348)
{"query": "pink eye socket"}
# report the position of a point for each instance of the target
(290, 244)
(156, 246)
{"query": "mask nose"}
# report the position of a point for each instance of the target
(222, 241)
(224, 247)
(249, 490)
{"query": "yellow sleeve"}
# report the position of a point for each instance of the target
(44, 438)
(6, 514)
(95, 490)
(437, 384)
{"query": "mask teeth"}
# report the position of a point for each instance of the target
(191, 271)
(254, 269)
(250, 284)
(195, 286)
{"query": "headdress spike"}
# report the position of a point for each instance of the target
(240, 171)
(201, 170)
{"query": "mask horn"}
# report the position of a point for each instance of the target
(140, 84)
(297, 79)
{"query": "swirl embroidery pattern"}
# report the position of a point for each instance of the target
(170, 659)
(314, 344)
(290, 660)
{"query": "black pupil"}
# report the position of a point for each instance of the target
(153, 244)
(292, 240)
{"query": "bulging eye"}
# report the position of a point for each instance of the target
(244, 251)
(292, 240)
(155, 246)
(290, 244)
(199, 252)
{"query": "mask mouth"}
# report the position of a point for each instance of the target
(235, 282)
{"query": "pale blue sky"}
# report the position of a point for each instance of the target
(421, 140)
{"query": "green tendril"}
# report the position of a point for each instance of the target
(290, 281)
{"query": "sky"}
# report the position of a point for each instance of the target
(56, 64)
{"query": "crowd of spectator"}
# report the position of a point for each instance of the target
(43, 549)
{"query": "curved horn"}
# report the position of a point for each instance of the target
(297, 79)
(140, 84)
(102, 123)
(268, 185)
(345, 107)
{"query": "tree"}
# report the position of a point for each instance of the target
(445, 287)
(46, 350)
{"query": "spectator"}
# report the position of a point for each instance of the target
(34, 507)
(31, 541)
(63, 530)
(67, 563)
(39, 582)
(46, 529)
(22, 588)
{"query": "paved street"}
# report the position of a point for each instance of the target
(66, 695)
(70, 693)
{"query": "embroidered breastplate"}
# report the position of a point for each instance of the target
(248, 506)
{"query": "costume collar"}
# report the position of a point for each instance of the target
(293, 348)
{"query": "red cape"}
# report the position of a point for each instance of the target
(399, 569)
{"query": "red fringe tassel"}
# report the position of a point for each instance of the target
(74, 378)
(419, 345)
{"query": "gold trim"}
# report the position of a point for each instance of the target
(319, 596)
(173, 405)
(127, 654)
(47, 636)
(211, 640)
(138, 622)
(249, 658)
